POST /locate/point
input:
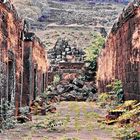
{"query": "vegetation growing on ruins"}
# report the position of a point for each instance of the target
(7, 118)
(56, 79)
(64, 100)
(92, 52)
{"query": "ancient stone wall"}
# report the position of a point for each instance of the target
(35, 68)
(11, 54)
(120, 57)
(18, 57)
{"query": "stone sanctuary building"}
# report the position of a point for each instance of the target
(23, 65)
(65, 60)
(120, 57)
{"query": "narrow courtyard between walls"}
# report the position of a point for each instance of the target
(67, 92)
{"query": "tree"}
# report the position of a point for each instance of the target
(93, 51)
(91, 55)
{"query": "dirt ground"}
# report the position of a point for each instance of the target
(74, 121)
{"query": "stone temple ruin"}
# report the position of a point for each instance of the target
(23, 64)
(65, 59)
(24, 68)
(63, 52)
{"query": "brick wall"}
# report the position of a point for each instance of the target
(20, 59)
(120, 57)
(35, 69)
(11, 53)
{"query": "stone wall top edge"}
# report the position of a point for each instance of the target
(36, 39)
(11, 9)
(127, 13)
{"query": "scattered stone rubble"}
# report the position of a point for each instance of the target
(125, 113)
(74, 90)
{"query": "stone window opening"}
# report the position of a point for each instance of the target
(21, 87)
(35, 84)
(10, 81)
(4, 24)
(4, 42)
(43, 82)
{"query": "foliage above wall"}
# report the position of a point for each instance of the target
(91, 55)
(93, 51)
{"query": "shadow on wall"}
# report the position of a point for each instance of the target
(120, 59)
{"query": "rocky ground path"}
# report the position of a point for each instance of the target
(73, 120)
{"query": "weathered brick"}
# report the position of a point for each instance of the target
(18, 56)
(125, 64)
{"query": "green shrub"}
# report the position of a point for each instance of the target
(7, 119)
(56, 79)
(103, 97)
(116, 86)
(24, 110)
(117, 89)
(93, 51)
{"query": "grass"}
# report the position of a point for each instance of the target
(66, 138)
(75, 118)
(90, 126)
(126, 132)
(45, 138)
(27, 137)
(77, 124)
(95, 138)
